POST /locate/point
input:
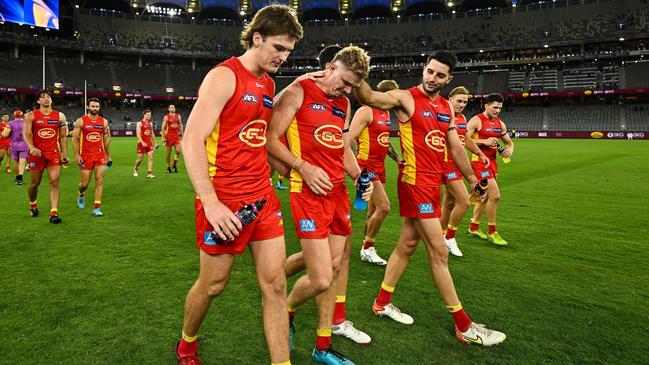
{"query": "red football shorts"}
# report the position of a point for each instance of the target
(172, 141)
(92, 160)
(46, 159)
(144, 150)
(376, 171)
(482, 172)
(318, 216)
(451, 173)
(420, 202)
(269, 224)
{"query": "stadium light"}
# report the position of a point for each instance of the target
(77, 6)
(545, 46)
(394, 8)
(621, 39)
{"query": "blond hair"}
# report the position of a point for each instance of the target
(355, 59)
(460, 90)
(272, 20)
(387, 85)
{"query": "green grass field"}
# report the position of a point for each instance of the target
(571, 288)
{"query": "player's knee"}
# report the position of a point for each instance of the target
(494, 197)
(383, 209)
(274, 286)
(407, 247)
(54, 184)
(463, 204)
(98, 179)
(215, 287)
(440, 256)
(322, 282)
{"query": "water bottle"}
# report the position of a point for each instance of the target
(363, 184)
(479, 190)
(246, 214)
(501, 149)
(65, 162)
(108, 165)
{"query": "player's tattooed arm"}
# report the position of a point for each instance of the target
(509, 150)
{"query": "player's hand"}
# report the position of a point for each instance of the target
(144, 145)
(507, 152)
(491, 141)
(316, 179)
(164, 141)
(310, 76)
(367, 194)
(401, 164)
(224, 222)
(473, 182)
(484, 159)
(34, 151)
(79, 159)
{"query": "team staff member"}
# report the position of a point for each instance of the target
(19, 149)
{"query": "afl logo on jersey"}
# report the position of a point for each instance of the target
(47, 133)
(249, 98)
(318, 107)
(254, 133)
(427, 114)
(436, 140)
(329, 136)
(384, 139)
(93, 137)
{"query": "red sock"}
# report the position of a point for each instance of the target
(367, 245)
(175, 163)
(187, 348)
(492, 228)
(323, 339)
(340, 314)
(474, 226)
(462, 321)
(54, 212)
(450, 233)
(97, 205)
(33, 205)
(385, 295)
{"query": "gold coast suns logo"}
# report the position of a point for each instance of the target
(436, 140)
(329, 136)
(254, 133)
(384, 139)
(46, 133)
(93, 137)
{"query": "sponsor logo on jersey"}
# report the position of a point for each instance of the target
(318, 107)
(338, 113)
(259, 85)
(426, 208)
(444, 118)
(267, 101)
(384, 139)
(98, 126)
(40, 122)
(498, 130)
(249, 98)
(52, 122)
(436, 140)
(47, 133)
(451, 175)
(461, 126)
(307, 225)
(329, 135)
(93, 137)
(371, 175)
(485, 174)
(254, 133)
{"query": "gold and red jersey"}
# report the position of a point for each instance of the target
(146, 129)
(173, 125)
(490, 128)
(316, 134)
(92, 134)
(461, 128)
(236, 149)
(45, 130)
(374, 141)
(423, 139)
(4, 140)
